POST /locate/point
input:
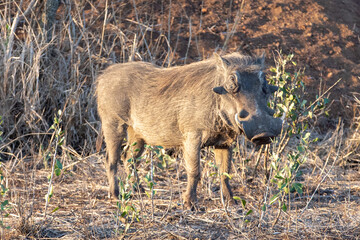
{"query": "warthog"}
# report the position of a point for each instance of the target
(208, 103)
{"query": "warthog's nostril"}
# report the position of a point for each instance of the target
(243, 114)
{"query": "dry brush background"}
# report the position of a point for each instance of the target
(51, 63)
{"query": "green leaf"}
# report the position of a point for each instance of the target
(263, 208)
(227, 175)
(243, 203)
(284, 208)
(128, 208)
(307, 135)
(4, 203)
(213, 174)
(273, 165)
(249, 212)
(301, 149)
(57, 172)
(160, 165)
(236, 198)
(274, 198)
(61, 141)
(147, 178)
(58, 164)
(3, 189)
(298, 187)
(279, 177)
(57, 208)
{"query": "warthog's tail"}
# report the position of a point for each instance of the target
(99, 140)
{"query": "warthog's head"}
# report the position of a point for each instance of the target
(243, 93)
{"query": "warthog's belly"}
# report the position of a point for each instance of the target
(160, 133)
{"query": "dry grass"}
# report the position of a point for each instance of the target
(39, 77)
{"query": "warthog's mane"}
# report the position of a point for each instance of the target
(201, 76)
(198, 76)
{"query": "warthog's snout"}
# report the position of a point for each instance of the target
(260, 129)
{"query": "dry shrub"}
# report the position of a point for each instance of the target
(38, 77)
(351, 148)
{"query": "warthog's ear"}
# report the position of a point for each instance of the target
(221, 62)
(219, 90)
(273, 88)
(261, 59)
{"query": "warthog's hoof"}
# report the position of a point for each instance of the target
(114, 192)
(228, 197)
(232, 202)
(189, 202)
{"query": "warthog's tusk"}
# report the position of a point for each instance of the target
(237, 119)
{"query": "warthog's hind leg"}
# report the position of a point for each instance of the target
(223, 159)
(114, 135)
(135, 150)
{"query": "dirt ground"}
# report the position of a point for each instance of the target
(324, 38)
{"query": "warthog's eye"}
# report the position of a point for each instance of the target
(232, 85)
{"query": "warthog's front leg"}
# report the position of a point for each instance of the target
(223, 159)
(192, 165)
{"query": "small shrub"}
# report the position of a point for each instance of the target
(296, 112)
(57, 139)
